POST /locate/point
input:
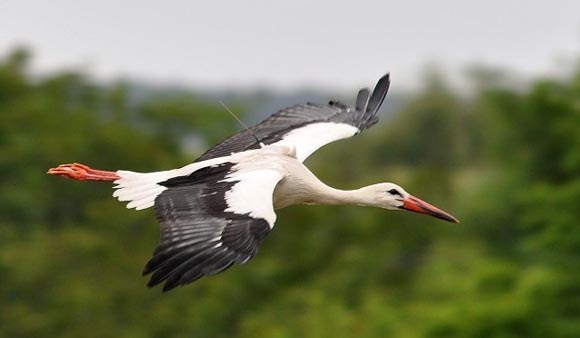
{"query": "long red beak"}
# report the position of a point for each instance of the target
(414, 204)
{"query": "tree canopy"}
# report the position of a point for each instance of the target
(505, 160)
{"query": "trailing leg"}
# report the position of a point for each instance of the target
(81, 172)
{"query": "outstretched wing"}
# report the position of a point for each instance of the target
(308, 126)
(211, 219)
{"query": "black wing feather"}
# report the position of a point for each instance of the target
(378, 96)
(362, 100)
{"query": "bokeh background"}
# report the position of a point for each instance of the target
(483, 120)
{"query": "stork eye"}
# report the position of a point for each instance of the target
(395, 192)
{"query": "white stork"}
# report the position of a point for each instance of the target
(217, 210)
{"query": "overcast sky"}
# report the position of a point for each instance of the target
(292, 43)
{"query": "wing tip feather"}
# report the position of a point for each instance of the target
(362, 99)
(379, 93)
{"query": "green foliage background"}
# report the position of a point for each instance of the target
(506, 161)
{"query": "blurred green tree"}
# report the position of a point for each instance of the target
(505, 159)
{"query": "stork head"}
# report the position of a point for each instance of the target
(393, 197)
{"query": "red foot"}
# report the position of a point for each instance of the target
(81, 172)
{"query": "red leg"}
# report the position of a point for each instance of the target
(81, 172)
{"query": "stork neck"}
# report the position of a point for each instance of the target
(331, 196)
(301, 186)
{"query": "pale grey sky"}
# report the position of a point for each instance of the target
(292, 43)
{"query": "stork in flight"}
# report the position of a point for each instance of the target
(217, 210)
